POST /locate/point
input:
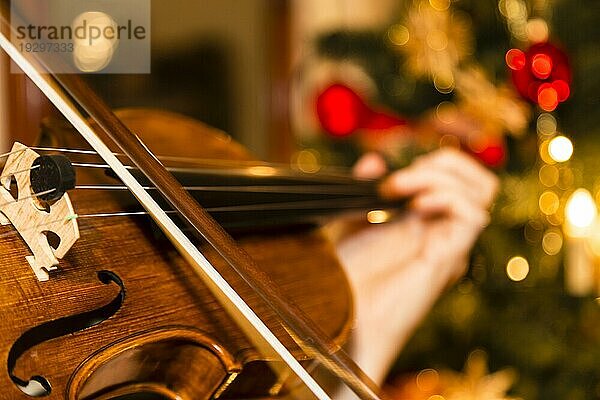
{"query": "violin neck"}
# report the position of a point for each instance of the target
(239, 199)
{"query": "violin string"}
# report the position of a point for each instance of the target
(283, 189)
(261, 189)
(66, 150)
(12, 152)
(19, 171)
(255, 171)
(101, 166)
(30, 196)
(221, 172)
(251, 207)
(304, 189)
(199, 160)
(291, 205)
(244, 168)
(114, 214)
(97, 215)
(37, 227)
(295, 205)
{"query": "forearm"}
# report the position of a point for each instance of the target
(382, 327)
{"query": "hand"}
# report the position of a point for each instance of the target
(398, 269)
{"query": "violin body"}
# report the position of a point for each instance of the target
(125, 316)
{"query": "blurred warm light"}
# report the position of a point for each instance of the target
(547, 97)
(537, 30)
(566, 178)
(437, 40)
(463, 308)
(554, 219)
(548, 175)
(477, 143)
(546, 124)
(518, 28)
(552, 242)
(444, 83)
(378, 216)
(541, 66)
(440, 5)
(513, 9)
(399, 35)
(446, 112)
(594, 239)
(450, 141)
(436, 397)
(549, 202)
(533, 231)
(340, 110)
(560, 149)
(262, 170)
(94, 55)
(428, 380)
(307, 161)
(580, 210)
(517, 268)
(545, 153)
(515, 59)
(515, 12)
(562, 89)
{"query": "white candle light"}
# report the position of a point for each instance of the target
(580, 215)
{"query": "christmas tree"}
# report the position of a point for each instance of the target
(515, 84)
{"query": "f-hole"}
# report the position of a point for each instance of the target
(37, 385)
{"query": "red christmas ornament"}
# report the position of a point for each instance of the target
(493, 156)
(341, 111)
(492, 152)
(542, 75)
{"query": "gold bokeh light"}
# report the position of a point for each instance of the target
(552, 242)
(580, 210)
(517, 268)
(560, 149)
(549, 202)
(399, 35)
(94, 54)
(378, 216)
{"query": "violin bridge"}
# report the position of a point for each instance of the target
(32, 219)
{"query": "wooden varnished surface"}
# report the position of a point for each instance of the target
(161, 292)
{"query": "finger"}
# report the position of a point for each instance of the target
(464, 166)
(455, 227)
(414, 180)
(370, 166)
(377, 246)
(451, 203)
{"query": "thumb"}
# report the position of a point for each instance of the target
(370, 166)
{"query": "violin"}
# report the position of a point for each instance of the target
(123, 314)
(117, 284)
